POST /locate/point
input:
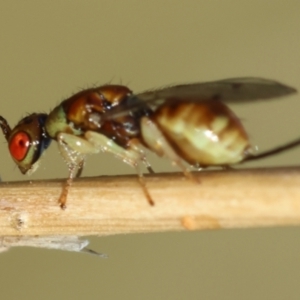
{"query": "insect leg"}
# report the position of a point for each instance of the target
(157, 142)
(136, 145)
(73, 149)
(132, 155)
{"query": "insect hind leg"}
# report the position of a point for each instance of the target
(157, 142)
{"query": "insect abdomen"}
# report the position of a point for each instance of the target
(204, 133)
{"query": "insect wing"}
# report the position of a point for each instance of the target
(235, 90)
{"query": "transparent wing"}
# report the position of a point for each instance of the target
(234, 90)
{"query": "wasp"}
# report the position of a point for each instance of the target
(190, 124)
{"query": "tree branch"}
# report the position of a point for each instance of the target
(113, 205)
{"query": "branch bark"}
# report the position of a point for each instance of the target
(114, 205)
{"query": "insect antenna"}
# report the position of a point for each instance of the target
(5, 127)
(274, 151)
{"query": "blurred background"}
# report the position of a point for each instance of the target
(50, 50)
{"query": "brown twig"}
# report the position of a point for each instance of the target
(113, 205)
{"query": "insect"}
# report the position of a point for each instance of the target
(189, 124)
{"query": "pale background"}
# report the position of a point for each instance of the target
(51, 49)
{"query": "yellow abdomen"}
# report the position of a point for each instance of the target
(204, 133)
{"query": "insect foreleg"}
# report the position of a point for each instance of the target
(73, 149)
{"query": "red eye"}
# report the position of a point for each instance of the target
(18, 145)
